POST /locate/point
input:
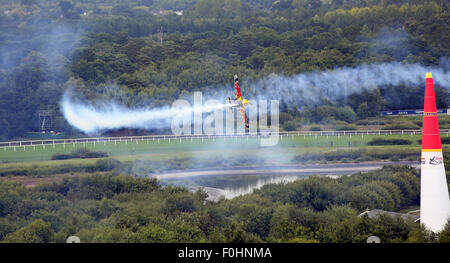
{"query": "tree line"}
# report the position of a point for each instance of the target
(112, 207)
(129, 51)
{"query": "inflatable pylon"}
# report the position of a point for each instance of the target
(434, 196)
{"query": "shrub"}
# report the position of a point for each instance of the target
(444, 140)
(401, 126)
(380, 141)
(79, 153)
(325, 113)
(417, 122)
(107, 164)
(359, 155)
(291, 125)
(346, 127)
(86, 153)
(61, 156)
(37, 231)
(369, 122)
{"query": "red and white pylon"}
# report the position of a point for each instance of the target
(434, 196)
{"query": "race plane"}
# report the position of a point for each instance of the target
(239, 102)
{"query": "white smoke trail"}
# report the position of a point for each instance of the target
(91, 120)
(302, 89)
(309, 88)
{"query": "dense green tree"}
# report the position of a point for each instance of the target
(118, 208)
(444, 235)
(37, 231)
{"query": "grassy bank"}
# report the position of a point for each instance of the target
(165, 149)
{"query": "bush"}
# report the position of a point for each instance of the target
(326, 113)
(367, 154)
(417, 122)
(291, 125)
(79, 153)
(315, 128)
(86, 153)
(401, 126)
(379, 141)
(445, 140)
(107, 164)
(61, 156)
(346, 127)
(366, 122)
(37, 231)
(444, 126)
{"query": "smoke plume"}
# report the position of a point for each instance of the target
(298, 90)
(112, 115)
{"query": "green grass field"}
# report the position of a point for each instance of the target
(206, 148)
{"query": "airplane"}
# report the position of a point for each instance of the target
(239, 102)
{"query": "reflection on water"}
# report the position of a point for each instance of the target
(230, 193)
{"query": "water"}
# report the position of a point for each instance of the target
(230, 193)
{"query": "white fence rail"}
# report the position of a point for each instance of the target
(208, 136)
